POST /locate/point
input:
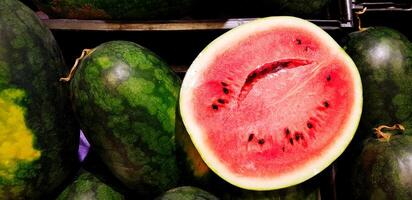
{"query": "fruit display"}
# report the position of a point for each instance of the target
(38, 132)
(280, 99)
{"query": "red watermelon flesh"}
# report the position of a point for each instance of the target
(271, 103)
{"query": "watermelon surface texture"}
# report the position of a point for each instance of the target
(384, 58)
(38, 132)
(87, 186)
(271, 103)
(125, 98)
(286, 7)
(119, 9)
(186, 193)
(383, 170)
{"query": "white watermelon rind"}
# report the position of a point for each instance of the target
(301, 174)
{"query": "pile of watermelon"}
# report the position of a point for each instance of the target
(262, 111)
(176, 9)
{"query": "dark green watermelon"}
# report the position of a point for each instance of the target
(383, 170)
(291, 7)
(125, 99)
(261, 8)
(115, 9)
(186, 193)
(88, 186)
(384, 59)
(38, 133)
(94, 165)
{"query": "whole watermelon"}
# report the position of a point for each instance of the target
(88, 186)
(383, 170)
(290, 7)
(260, 8)
(125, 99)
(186, 193)
(384, 59)
(115, 9)
(38, 134)
(94, 165)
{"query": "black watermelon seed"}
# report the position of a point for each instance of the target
(261, 141)
(283, 149)
(224, 84)
(250, 137)
(310, 125)
(287, 131)
(328, 77)
(326, 104)
(221, 101)
(297, 136)
(291, 141)
(298, 41)
(225, 90)
(215, 107)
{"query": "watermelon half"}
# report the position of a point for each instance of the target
(271, 103)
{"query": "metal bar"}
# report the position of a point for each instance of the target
(174, 25)
(347, 13)
(383, 6)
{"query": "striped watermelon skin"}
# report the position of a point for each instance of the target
(186, 193)
(125, 98)
(38, 134)
(89, 186)
(384, 58)
(108, 9)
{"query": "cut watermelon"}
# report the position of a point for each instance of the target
(271, 103)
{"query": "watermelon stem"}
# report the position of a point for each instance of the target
(358, 13)
(69, 77)
(386, 136)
